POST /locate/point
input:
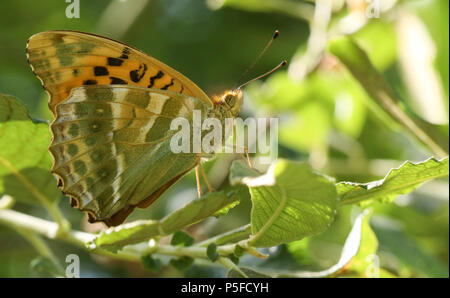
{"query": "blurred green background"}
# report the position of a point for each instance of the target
(326, 118)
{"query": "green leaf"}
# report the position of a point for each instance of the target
(225, 209)
(116, 237)
(290, 202)
(365, 263)
(182, 262)
(409, 252)
(239, 169)
(401, 180)
(150, 263)
(234, 258)
(24, 158)
(198, 210)
(349, 251)
(239, 251)
(232, 236)
(181, 238)
(45, 265)
(379, 41)
(299, 250)
(360, 66)
(211, 252)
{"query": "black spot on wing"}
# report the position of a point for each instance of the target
(90, 82)
(125, 53)
(73, 202)
(100, 71)
(115, 80)
(168, 85)
(159, 75)
(137, 74)
(114, 61)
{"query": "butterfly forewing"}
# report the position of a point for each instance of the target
(111, 147)
(63, 60)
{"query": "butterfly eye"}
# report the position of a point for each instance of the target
(230, 100)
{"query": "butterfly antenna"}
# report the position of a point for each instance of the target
(283, 63)
(275, 35)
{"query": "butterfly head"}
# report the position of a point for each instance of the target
(232, 101)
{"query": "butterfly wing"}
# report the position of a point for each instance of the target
(63, 60)
(111, 145)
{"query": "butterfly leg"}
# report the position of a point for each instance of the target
(199, 169)
(197, 177)
(249, 160)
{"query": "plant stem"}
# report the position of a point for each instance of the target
(235, 235)
(30, 225)
(6, 202)
(44, 227)
(229, 264)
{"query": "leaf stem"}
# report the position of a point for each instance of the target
(6, 202)
(44, 227)
(30, 225)
(229, 264)
(235, 235)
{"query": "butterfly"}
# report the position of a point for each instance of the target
(112, 107)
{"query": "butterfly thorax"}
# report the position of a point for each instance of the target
(229, 104)
(225, 107)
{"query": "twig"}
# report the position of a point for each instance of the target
(34, 225)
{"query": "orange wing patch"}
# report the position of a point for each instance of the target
(63, 60)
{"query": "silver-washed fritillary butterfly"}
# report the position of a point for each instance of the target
(113, 106)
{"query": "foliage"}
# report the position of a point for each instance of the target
(349, 115)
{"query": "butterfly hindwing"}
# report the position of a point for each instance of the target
(111, 146)
(64, 60)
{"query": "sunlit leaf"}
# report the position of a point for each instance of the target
(290, 202)
(401, 180)
(365, 263)
(129, 233)
(24, 158)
